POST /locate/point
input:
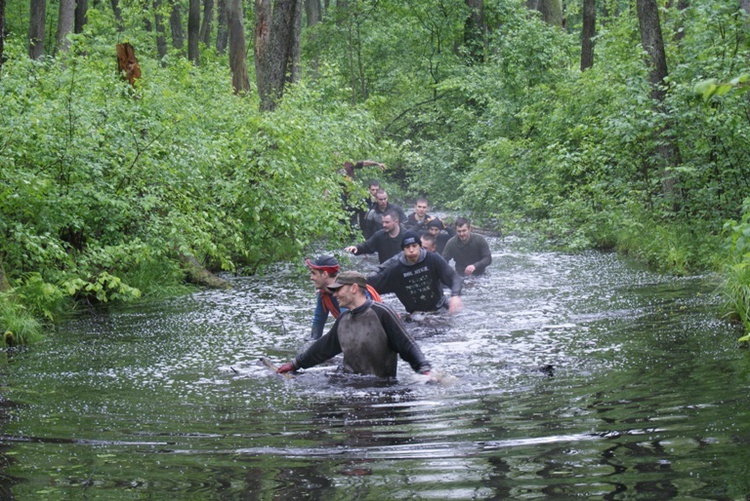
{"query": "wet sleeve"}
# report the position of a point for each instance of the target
(321, 350)
(448, 250)
(484, 249)
(448, 276)
(380, 281)
(368, 246)
(401, 342)
(319, 318)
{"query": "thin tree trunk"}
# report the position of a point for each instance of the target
(551, 12)
(653, 44)
(4, 285)
(474, 30)
(194, 26)
(161, 31)
(36, 28)
(745, 6)
(175, 25)
(314, 13)
(65, 20)
(277, 48)
(82, 10)
(237, 59)
(588, 32)
(208, 19)
(2, 32)
(222, 33)
(117, 12)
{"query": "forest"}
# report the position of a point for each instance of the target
(145, 141)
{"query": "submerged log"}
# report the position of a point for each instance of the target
(127, 64)
(199, 275)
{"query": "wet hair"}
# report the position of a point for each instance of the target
(393, 214)
(462, 221)
(422, 199)
(373, 183)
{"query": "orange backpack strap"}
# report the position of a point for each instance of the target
(373, 293)
(328, 304)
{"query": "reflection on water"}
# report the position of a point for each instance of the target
(565, 376)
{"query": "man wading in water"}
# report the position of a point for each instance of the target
(369, 334)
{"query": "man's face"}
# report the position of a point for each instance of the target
(420, 208)
(345, 295)
(389, 224)
(382, 201)
(411, 252)
(318, 278)
(374, 191)
(429, 245)
(463, 232)
(434, 230)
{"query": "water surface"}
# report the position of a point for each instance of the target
(567, 376)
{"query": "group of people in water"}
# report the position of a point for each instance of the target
(414, 253)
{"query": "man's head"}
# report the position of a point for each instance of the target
(429, 242)
(411, 246)
(421, 207)
(391, 222)
(374, 187)
(322, 270)
(381, 197)
(349, 288)
(435, 227)
(463, 228)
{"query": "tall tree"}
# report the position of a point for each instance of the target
(208, 19)
(653, 44)
(277, 48)
(161, 30)
(82, 11)
(117, 12)
(475, 30)
(237, 58)
(222, 34)
(551, 12)
(194, 26)
(36, 28)
(175, 25)
(313, 11)
(2, 31)
(65, 20)
(588, 32)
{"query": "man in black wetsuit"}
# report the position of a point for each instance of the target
(418, 277)
(369, 334)
(386, 241)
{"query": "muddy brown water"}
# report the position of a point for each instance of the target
(567, 376)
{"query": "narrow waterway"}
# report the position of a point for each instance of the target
(565, 376)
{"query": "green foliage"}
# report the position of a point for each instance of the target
(736, 284)
(17, 324)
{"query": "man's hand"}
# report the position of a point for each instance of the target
(455, 305)
(287, 367)
(469, 269)
(351, 248)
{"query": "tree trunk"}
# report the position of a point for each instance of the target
(745, 6)
(36, 28)
(82, 10)
(222, 32)
(194, 26)
(551, 12)
(4, 285)
(653, 44)
(127, 64)
(237, 59)
(277, 46)
(474, 30)
(161, 32)
(532, 4)
(2, 33)
(175, 24)
(314, 13)
(208, 19)
(65, 19)
(198, 274)
(117, 12)
(588, 32)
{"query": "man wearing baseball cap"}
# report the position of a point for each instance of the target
(418, 277)
(369, 334)
(323, 272)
